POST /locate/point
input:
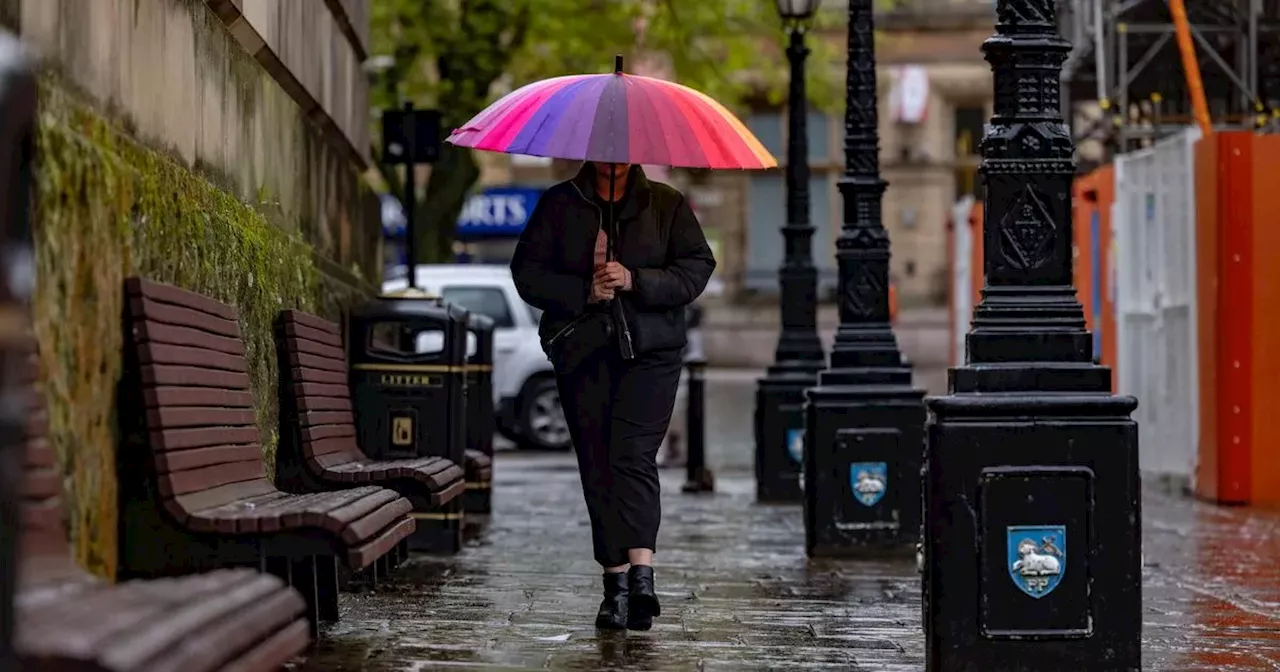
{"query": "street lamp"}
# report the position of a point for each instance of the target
(864, 423)
(779, 416)
(1030, 456)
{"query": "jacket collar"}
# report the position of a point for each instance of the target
(635, 203)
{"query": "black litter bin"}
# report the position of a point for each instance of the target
(408, 364)
(480, 411)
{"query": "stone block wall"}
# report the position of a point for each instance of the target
(219, 145)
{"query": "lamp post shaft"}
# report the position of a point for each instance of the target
(798, 345)
(779, 419)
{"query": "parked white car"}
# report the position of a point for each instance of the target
(524, 389)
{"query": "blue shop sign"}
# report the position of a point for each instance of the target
(497, 212)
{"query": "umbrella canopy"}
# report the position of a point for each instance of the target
(615, 118)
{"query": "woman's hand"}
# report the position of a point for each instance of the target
(600, 292)
(613, 276)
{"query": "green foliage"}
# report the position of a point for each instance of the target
(107, 208)
(455, 55)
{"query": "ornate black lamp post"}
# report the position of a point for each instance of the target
(1032, 552)
(865, 421)
(779, 417)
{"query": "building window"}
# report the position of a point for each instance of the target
(767, 205)
(969, 125)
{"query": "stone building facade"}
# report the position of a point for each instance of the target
(219, 145)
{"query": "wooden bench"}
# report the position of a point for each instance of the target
(191, 472)
(232, 619)
(319, 449)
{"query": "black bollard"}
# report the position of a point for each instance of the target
(698, 478)
(17, 121)
(1032, 549)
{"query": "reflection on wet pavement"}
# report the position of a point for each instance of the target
(738, 593)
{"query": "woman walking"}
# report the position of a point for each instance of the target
(612, 260)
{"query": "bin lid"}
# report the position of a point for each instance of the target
(409, 309)
(479, 323)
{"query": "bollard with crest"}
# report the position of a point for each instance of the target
(1032, 552)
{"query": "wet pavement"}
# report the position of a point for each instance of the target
(739, 594)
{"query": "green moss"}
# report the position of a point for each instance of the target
(108, 208)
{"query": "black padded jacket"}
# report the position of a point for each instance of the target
(660, 242)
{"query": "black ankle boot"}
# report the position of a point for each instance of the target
(613, 610)
(643, 600)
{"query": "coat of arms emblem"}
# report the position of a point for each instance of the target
(795, 444)
(1037, 557)
(870, 480)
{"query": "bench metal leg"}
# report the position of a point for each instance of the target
(278, 567)
(327, 587)
(304, 580)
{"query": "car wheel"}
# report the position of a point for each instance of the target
(542, 422)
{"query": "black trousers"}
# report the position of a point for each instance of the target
(618, 412)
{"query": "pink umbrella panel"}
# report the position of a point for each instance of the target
(616, 118)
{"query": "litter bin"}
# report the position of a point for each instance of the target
(408, 360)
(480, 409)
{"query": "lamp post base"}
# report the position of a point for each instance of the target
(1032, 556)
(862, 479)
(779, 430)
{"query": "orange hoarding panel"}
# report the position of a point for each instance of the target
(1239, 326)
(1264, 244)
(1092, 198)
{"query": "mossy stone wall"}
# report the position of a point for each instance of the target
(108, 207)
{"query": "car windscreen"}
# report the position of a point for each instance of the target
(488, 301)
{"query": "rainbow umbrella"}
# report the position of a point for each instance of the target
(615, 118)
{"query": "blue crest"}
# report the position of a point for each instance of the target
(795, 444)
(1037, 557)
(870, 480)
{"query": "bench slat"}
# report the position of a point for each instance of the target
(192, 376)
(197, 396)
(185, 625)
(183, 460)
(188, 417)
(337, 444)
(365, 555)
(221, 495)
(219, 642)
(369, 525)
(178, 296)
(320, 390)
(308, 320)
(39, 453)
(309, 403)
(313, 418)
(202, 437)
(39, 484)
(159, 332)
(181, 355)
(310, 375)
(296, 330)
(204, 478)
(307, 346)
(273, 653)
(303, 360)
(148, 309)
(327, 432)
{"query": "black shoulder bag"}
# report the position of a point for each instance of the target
(579, 340)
